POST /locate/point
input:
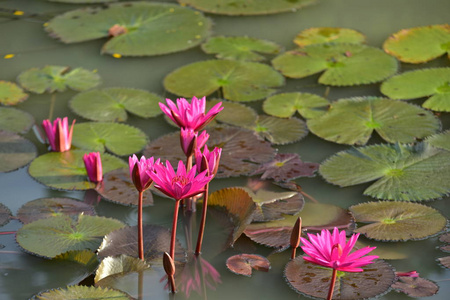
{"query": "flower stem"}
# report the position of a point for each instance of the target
(203, 221)
(140, 229)
(52, 106)
(174, 229)
(332, 284)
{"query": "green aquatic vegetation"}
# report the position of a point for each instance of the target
(11, 93)
(15, 120)
(82, 292)
(15, 151)
(285, 105)
(322, 35)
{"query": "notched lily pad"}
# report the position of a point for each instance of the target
(419, 44)
(402, 172)
(121, 264)
(280, 131)
(321, 35)
(285, 167)
(66, 170)
(118, 187)
(241, 48)
(344, 64)
(57, 78)
(242, 264)
(352, 121)
(5, 214)
(238, 81)
(75, 292)
(15, 120)
(285, 105)
(441, 140)
(397, 221)
(120, 139)
(15, 151)
(48, 207)
(416, 286)
(11, 93)
(313, 280)
(133, 28)
(55, 235)
(434, 82)
(233, 113)
(112, 104)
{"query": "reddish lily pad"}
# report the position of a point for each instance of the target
(242, 264)
(48, 207)
(445, 238)
(280, 131)
(285, 167)
(15, 120)
(313, 280)
(15, 151)
(416, 286)
(397, 221)
(118, 187)
(5, 214)
(82, 292)
(445, 261)
(285, 105)
(321, 35)
(11, 93)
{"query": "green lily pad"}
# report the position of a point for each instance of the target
(440, 140)
(314, 280)
(386, 250)
(11, 93)
(57, 78)
(15, 120)
(434, 82)
(352, 121)
(66, 170)
(15, 151)
(403, 172)
(82, 1)
(238, 81)
(55, 235)
(321, 35)
(242, 7)
(344, 64)
(48, 207)
(280, 131)
(233, 113)
(121, 264)
(419, 44)
(80, 292)
(285, 105)
(397, 221)
(416, 286)
(112, 104)
(133, 28)
(5, 214)
(119, 139)
(241, 48)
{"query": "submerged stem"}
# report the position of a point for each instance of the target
(332, 284)
(203, 221)
(140, 229)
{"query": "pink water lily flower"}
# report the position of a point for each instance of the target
(191, 140)
(93, 164)
(58, 134)
(208, 160)
(138, 171)
(190, 115)
(333, 251)
(179, 185)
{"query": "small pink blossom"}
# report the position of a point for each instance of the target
(208, 160)
(332, 251)
(58, 134)
(138, 171)
(190, 115)
(191, 140)
(93, 164)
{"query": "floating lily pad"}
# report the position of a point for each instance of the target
(314, 280)
(242, 264)
(55, 235)
(397, 221)
(285, 105)
(58, 78)
(419, 44)
(441, 140)
(5, 214)
(445, 238)
(416, 286)
(434, 82)
(321, 35)
(112, 104)
(285, 167)
(280, 131)
(15, 151)
(238, 81)
(241, 48)
(344, 64)
(119, 139)
(445, 261)
(352, 121)
(48, 207)
(133, 28)
(386, 250)
(233, 113)
(82, 1)
(242, 7)
(403, 172)
(315, 216)
(11, 93)
(15, 120)
(80, 292)
(66, 170)
(242, 151)
(118, 187)
(121, 264)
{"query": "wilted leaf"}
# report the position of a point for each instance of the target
(15, 151)
(321, 35)
(75, 292)
(120, 264)
(280, 131)
(5, 214)
(15, 120)
(242, 264)
(416, 286)
(287, 104)
(11, 93)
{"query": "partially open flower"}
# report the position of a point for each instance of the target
(138, 171)
(208, 160)
(191, 140)
(58, 134)
(93, 164)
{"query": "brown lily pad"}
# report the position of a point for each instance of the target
(242, 264)
(5, 214)
(445, 238)
(416, 286)
(445, 261)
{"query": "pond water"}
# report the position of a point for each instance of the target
(22, 275)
